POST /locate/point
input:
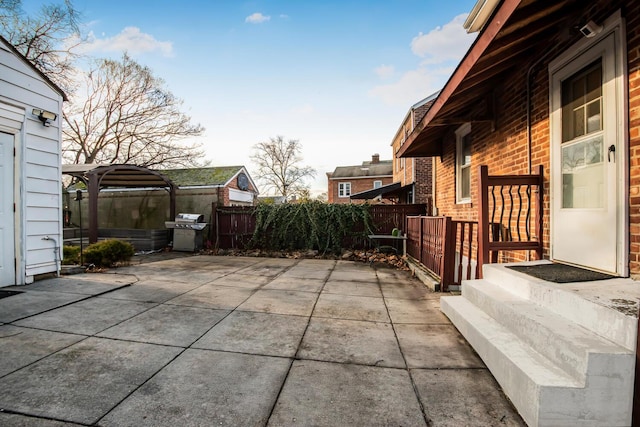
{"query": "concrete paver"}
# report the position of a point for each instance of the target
(351, 341)
(333, 394)
(436, 347)
(82, 382)
(207, 340)
(280, 302)
(351, 307)
(23, 346)
(167, 324)
(453, 397)
(206, 388)
(256, 333)
(86, 317)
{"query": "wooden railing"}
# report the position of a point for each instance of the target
(510, 213)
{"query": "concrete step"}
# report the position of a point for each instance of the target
(573, 348)
(544, 393)
(580, 303)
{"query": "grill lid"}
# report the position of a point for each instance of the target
(189, 218)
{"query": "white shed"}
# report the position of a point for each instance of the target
(30, 170)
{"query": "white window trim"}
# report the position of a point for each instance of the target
(342, 189)
(461, 132)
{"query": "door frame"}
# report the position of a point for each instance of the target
(613, 25)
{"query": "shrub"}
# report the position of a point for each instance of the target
(310, 225)
(108, 252)
(70, 255)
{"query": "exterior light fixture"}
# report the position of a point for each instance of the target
(46, 117)
(591, 29)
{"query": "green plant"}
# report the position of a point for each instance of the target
(310, 225)
(70, 255)
(108, 252)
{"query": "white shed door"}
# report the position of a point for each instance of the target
(7, 225)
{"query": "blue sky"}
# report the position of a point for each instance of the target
(337, 75)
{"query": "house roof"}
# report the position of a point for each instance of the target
(518, 32)
(385, 190)
(209, 176)
(34, 68)
(367, 169)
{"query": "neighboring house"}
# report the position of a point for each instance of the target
(346, 181)
(415, 175)
(30, 175)
(552, 84)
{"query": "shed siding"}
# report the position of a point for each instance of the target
(38, 164)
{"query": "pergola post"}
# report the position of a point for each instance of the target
(93, 190)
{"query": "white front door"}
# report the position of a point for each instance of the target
(588, 154)
(7, 224)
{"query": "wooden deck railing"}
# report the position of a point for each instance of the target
(510, 214)
(510, 219)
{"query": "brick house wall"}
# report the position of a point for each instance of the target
(358, 185)
(504, 150)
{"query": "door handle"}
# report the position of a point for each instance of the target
(612, 149)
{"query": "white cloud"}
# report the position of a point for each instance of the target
(130, 39)
(449, 42)
(442, 48)
(256, 18)
(385, 71)
(412, 86)
(303, 110)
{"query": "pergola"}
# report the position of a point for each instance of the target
(97, 177)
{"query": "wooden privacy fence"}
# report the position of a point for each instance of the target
(510, 219)
(232, 226)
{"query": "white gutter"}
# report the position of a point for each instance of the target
(479, 15)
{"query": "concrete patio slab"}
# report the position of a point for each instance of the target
(454, 398)
(256, 333)
(86, 317)
(22, 346)
(291, 283)
(436, 347)
(29, 303)
(207, 354)
(210, 296)
(351, 307)
(280, 302)
(410, 289)
(97, 374)
(246, 281)
(205, 388)
(174, 325)
(154, 290)
(415, 311)
(351, 341)
(331, 394)
(342, 287)
(75, 285)
(17, 420)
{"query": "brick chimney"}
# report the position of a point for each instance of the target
(375, 159)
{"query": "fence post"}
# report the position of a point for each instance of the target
(447, 264)
(483, 217)
(540, 208)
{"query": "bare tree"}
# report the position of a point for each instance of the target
(123, 114)
(279, 168)
(44, 38)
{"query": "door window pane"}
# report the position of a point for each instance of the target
(582, 103)
(583, 174)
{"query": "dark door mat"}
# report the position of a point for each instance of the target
(560, 273)
(4, 294)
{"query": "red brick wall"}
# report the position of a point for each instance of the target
(357, 185)
(508, 143)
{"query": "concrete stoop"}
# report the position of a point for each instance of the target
(563, 360)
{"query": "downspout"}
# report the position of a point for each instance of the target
(56, 254)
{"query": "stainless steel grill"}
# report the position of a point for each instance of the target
(188, 231)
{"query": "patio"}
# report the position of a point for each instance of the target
(205, 340)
